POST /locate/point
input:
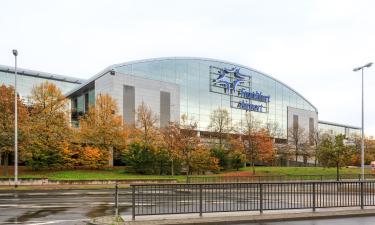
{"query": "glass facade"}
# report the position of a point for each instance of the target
(26, 82)
(193, 77)
(336, 129)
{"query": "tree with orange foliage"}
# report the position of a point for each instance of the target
(237, 154)
(264, 147)
(188, 141)
(49, 131)
(146, 123)
(170, 136)
(7, 124)
(202, 161)
(257, 141)
(102, 128)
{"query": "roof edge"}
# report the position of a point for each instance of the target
(339, 124)
(35, 73)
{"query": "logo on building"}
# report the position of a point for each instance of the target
(238, 86)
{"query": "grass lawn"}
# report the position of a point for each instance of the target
(100, 174)
(269, 171)
(120, 173)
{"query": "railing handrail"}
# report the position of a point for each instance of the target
(254, 183)
(167, 198)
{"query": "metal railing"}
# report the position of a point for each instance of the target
(276, 178)
(229, 197)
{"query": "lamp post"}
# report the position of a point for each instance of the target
(362, 130)
(15, 53)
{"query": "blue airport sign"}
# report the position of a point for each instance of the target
(230, 81)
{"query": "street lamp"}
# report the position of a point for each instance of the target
(362, 131)
(15, 53)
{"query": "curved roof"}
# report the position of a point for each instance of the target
(114, 66)
(40, 74)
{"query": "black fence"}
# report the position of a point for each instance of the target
(229, 197)
(276, 178)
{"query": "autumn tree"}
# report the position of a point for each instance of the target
(188, 141)
(146, 123)
(237, 156)
(202, 161)
(250, 126)
(333, 153)
(7, 124)
(316, 138)
(220, 124)
(170, 135)
(102, 127)
(274, 130)
(264, 147)
(49, 131)
(297, 138)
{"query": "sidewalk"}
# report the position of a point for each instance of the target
(250, 217)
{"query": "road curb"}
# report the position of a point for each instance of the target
(266, 217)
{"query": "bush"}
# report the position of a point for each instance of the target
(222, 155)
(140, 158)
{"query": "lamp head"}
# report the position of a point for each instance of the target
(356, 69)
(15, 52)
(368, 64)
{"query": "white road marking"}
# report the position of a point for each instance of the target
(53, 221)
(6, 194)
(32, 194)
(61, 205)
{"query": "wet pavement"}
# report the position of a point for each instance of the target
(342, 221)
(59, 207)
(78, 206)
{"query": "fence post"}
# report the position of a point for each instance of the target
(362, 203)
(260, 197)
(116, 199)
(133, 202)
(200, 200)
(314, 197)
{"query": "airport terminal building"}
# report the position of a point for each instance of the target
(196, 87)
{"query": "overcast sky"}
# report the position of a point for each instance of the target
(310, 45)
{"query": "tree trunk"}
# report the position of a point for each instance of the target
(187, 173)
(5, 164)
(110, 160)
(296, 156)
(172, 167)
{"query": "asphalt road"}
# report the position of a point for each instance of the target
(78, 206)
(59, 207)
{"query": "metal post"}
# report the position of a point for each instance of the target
(133, 202)
(363, 127)
(314, 198)
(116, 199)
(362, 138)
(260, 198)
(15, 53)
(200, 200)
(362, 199)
